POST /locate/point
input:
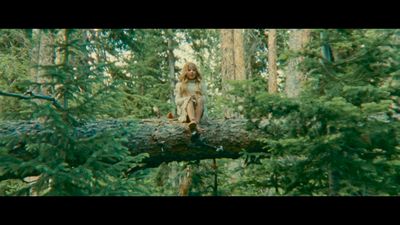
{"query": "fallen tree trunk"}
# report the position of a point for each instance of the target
(165, 140)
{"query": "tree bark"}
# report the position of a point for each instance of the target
(294, 77)
(238, 49)
(164, 140)
(251, 54)
(227, 60)
(232, 64)
(272, 71)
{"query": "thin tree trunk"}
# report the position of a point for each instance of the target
(250, 56)
(171, 64)
(186, 183)
(272, 71)
(36, 33)
(215, 186)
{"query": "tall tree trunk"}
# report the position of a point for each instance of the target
(294, 78)
(36, 33)
(238, 54)
(171, 64)
(227, 60)
(272, 71)
(227, 65)
(250, 54)
(233, 64)
(232, 46)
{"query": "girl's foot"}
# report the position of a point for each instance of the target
(192, 126)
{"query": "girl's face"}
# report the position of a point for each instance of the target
(191, 73)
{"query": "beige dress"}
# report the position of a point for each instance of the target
(182, 101)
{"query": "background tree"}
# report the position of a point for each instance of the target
(298, 38)
(272, 70)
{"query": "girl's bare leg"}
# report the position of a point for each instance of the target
(199, 112)
(199, 109)
(191, 112)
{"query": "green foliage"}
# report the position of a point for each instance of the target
(341, 136)
(143, 74)
(69, 165)
(233, 99)
(14, 71)
(11, 187)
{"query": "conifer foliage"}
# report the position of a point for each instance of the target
(341, 136)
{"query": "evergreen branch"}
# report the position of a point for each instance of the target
(31, 95)
(364, 52)
(329, 73)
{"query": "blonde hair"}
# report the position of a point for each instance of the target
(184, 79)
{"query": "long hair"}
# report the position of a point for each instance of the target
(184, 80)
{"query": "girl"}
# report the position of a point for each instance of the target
(190, 93)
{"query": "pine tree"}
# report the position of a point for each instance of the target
(62, 164)
(340, 137)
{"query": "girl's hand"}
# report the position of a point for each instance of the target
(193, 98)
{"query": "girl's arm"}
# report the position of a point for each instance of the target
(178, 98)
